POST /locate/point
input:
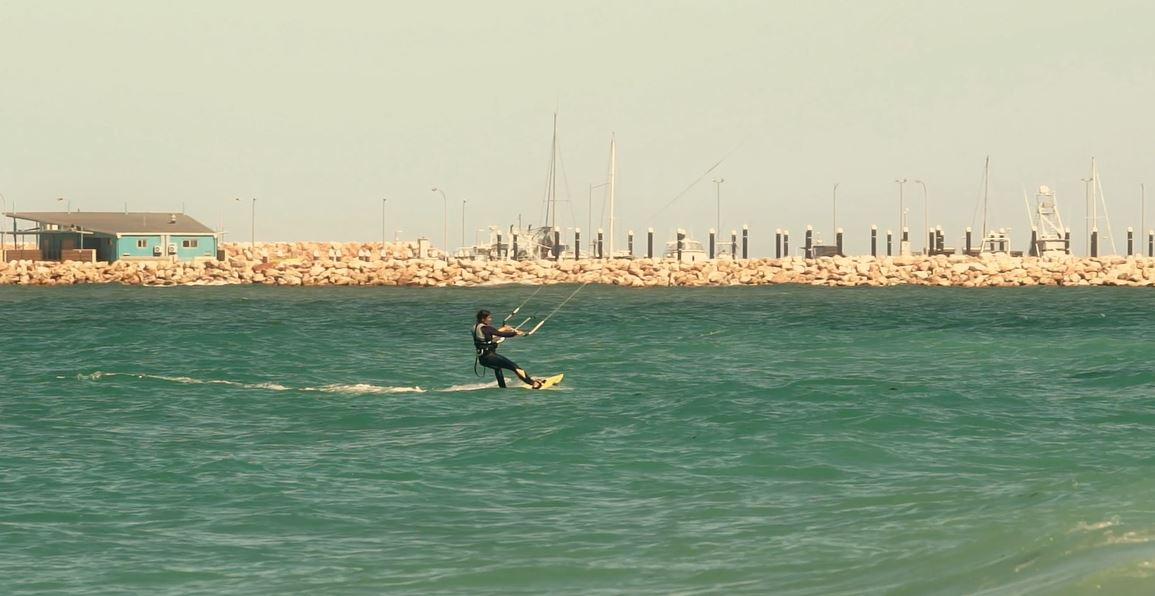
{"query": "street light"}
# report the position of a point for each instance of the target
(4, 209)
(901, 210)
(253, 227)
(462, 223)
(221, 228)
(834, 213)
(718, 197)
(383, 223)
(925, 226)
(444, 220)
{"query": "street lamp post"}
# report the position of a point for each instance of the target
(925, 218)
(4, 209)
(222, 226)
(718, 204)
(834, 209)
(253, 226)
(1142, 211)
(901, 208)
(444, 220)
(901, 215)
(462, 223)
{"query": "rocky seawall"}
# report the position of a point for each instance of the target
(353, 264)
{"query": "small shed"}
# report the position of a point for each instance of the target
(117, 236)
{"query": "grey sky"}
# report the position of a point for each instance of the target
(321, 109)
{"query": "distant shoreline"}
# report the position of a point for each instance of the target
(354, 264)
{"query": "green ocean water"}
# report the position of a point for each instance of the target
(770, 440)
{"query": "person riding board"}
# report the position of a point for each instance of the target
(486, 337)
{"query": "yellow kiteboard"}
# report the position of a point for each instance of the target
(547, 381)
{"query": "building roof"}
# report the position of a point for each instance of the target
(118, 222)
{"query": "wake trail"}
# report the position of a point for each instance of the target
(354, 388)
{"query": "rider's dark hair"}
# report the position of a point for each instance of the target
(481, 314)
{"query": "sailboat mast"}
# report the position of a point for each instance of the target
(613, 166)
(551, 206)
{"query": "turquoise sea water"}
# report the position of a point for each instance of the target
(772, 440)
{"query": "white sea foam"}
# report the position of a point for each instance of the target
(358, 388)
(1089, 527)
(471, 386)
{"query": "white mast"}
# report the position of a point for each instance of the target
(1101, 199)
(551, 204)
(1094, 198)
(613, 166)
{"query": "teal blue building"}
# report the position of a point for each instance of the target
(120, 236)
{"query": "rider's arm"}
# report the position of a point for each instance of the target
(505, 331)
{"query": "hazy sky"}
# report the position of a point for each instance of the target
(320, 110)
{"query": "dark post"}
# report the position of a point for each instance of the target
(556, 244)
(1034, 248)
(1150, 243)
(577, 243)
(712, 234)
(940, 240)
(733, 244)
(930, 243)
(1067, 242)
(873, 240)
(968, 240)
(630, 242)
(601, 253)
(745, 241)
(808, 242)
(1130, 242)
(515, 245)
(1094, 242)
(650, 244)
(681, 238)
(889, 243)
(838, 242)
(778, 243)
(499, 251)
(785, 243)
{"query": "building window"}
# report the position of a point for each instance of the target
(142, 243)
(189, 244)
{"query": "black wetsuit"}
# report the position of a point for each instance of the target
(487, 356)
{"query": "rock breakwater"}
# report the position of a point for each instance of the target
(351, 264)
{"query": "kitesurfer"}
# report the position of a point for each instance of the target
(486, 337)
